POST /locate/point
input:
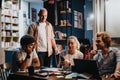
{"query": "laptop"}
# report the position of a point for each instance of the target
(86, 66)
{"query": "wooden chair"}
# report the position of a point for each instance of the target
(5, 70)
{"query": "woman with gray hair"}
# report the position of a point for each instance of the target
(72, 52)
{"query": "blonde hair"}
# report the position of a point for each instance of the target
(76, 41)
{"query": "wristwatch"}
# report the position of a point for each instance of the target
(28, 56)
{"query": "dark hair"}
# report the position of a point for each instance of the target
(26, 39)
(105, 37)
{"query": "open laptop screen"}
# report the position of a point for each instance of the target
(88, 66)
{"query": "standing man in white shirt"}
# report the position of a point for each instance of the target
(42, 31)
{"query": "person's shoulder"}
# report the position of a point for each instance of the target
(48, 23)
(34, 24)
(78, 52)
(115, 49)
(63, 52)
(17, 51)
(98, 54)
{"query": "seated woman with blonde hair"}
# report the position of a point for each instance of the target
(72, 52)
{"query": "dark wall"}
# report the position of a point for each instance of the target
(88, 9)
(78, 5)
(51, 12)
(0, 4)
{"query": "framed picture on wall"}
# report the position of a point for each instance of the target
(78, 23)
(75, 12)
(75, 23)
(34, 15)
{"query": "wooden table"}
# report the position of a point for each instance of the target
(50, 76)
(26, 76)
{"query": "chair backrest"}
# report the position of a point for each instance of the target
(5, 70)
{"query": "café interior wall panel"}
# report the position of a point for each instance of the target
(113, 17)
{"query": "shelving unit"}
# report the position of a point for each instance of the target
(10, 23)
(64, 26)
(9, 28)
(65, 22)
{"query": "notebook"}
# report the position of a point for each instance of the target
(88, 66)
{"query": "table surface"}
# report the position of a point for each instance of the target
(26, 76)
(49, 75)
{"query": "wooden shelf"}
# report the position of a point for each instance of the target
(66, 11)
(10, 23)
(60, 39)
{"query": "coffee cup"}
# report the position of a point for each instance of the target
(31, 70)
